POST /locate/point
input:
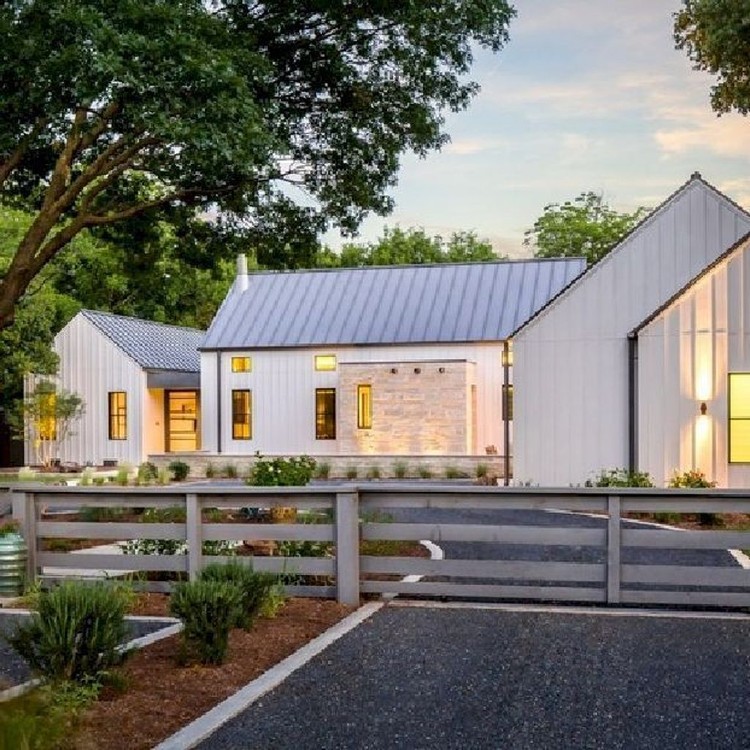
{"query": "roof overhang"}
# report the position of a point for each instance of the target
(172, 379)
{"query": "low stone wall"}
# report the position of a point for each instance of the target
(343, 467)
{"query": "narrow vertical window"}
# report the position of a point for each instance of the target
(508, 403)
(364, 407)
(118, 415)
(242, 415)
(739, 417)
(47, 416)
(325, 413)
(242, 364)
(325, 362)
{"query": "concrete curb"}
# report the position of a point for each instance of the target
(198, 730)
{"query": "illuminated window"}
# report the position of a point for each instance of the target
(47, 416)
(242, 364)
(739, 417)
(242, 415)
(364, 407)
(507, 403)
(118, 415)
(325, 361)
(325, 413)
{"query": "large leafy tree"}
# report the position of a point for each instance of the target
(276, 117)
(584, 227)
(716, 36)
(398, 246)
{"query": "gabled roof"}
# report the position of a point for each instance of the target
(441, 303)
(695, 178)
(154, 346)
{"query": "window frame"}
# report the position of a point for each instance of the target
(364, 406)
(117, 415)
(323, 418)
(246, 414)
(733, 420)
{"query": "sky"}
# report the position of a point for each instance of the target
(587, 95)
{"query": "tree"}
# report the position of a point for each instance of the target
(716, 36)
(586, 227)
(398, 246)
(279, 118)
(46, 419)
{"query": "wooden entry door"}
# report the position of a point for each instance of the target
(182, 420)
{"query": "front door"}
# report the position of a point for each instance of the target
(183, 412)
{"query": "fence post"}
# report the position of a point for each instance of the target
(193, 536)
(613, 550)
(24, 511)
(347, 548)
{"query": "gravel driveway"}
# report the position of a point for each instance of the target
(487, 678)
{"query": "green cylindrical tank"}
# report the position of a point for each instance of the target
(13, 555)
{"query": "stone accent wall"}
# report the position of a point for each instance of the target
(418, 408)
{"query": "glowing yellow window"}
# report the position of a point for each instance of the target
(739, 417)
(118, 415)
(325, 362)
(364, 407)
(242, 364)
(47, 424)
(242, 415)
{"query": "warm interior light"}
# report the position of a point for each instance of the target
(325, 361)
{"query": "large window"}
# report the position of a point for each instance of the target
(242, 364)
(242, 415)
(325, 413)
(739, 417)
(118, 415)
(364, 407)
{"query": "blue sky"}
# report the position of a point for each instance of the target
(586, 96)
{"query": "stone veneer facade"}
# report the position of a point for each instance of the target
(418, 408)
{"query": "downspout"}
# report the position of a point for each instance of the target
(218, 402)
(632, 402)
(505, 413)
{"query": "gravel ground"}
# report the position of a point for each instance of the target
(437, 678)
(14, 670)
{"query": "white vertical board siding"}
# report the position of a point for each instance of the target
(92, 366)
(283, 384)
(571, 362)
(685, 356)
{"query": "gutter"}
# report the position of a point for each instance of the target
(218, 402)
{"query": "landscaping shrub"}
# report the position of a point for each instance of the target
(147, 473)
(373, 472)
(281, 472)
(180, 470)
(351, 472)
(424, 472)
(482, 470)
(620, 478)
(323, 471)
(695, 478)
(76, 632)
(451, 472)
(208, 610)
(230, 471)
(255, 587)
(123, 476)
(210, 471)
(400, 469)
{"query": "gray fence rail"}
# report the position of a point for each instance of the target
(576, 545)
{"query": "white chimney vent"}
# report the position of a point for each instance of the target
(242, 281)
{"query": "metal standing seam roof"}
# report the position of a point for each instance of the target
(154, 346)
(441, 303)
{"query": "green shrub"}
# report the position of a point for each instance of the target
(373, 472)
(695, 478)
(180, 470)
(451, 472)
(100, 514)
(351, 472)
(323, 470)
(123, 476)
(210, 471)
(147, 472)
(424, 472)
(482, 470)
(621, 478)
(400, 469)
(281, 472)
(230, 471)
(208, 611)
(76, 632)
(255, 587)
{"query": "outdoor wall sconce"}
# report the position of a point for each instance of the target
(441, 369)
(417, 370)
(394, 370)
(703, 409)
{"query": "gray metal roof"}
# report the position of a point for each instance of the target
(154, 346)
(449, 302)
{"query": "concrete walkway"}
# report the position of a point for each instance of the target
(493, 676)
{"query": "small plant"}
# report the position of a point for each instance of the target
(208, 611)
(323, 470)
(99, 481)
(76, 633)
(180, 470)
(295, 471)
(351, 472)
(621, 478)
(147, 472)
(373, 472)
(210, 471)
(100, 514)
(163, 476)
(230, 471)
(482, 470)
(255, 587)
(123, 476)
(695, 478)
(424, 472)
(9, 528)
(451, 472)
(87, 477)
(273, 602)
(400, 469)
(26, 474)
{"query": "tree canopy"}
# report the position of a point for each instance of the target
(584, 227)
(716, 36)
(277, 119)
(398, 246)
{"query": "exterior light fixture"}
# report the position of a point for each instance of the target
(703, 408)
(394, 370)
(441, 369)
(417, 370)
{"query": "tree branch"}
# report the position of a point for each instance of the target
(16, 157)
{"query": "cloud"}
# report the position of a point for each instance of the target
(471, 146)
(700, 130)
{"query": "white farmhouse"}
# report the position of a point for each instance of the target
(644, 361)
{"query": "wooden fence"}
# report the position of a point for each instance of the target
(573, 545)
